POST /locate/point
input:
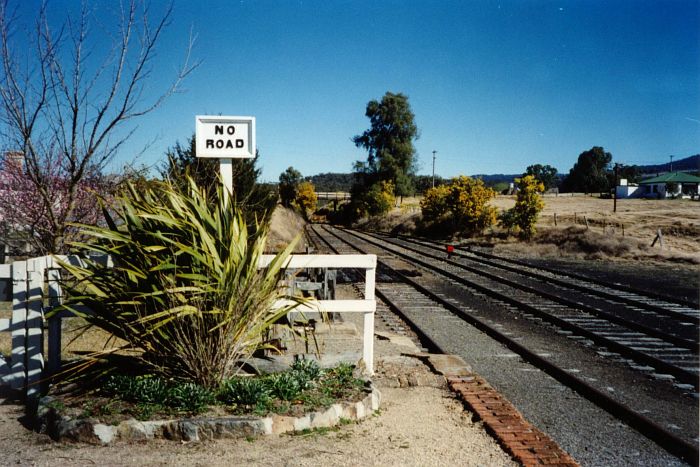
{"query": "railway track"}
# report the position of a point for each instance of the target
(683, 310)
(652, 345)
(660, 339)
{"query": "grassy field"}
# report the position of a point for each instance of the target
(679, 220)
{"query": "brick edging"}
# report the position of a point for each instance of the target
(505, 423)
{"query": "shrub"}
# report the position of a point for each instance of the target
(367, 200)
(528, 204)
(506, 219)
(288, 184)
(306, 198)
(185, 289)
(462, 204)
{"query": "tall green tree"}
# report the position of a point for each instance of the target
(590, 173)
(389, 143)
(254, 200)
(546, 174)
(289, 184)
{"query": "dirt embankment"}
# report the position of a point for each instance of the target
(286, 225)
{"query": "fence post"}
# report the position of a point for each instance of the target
(54, 344)
(35, 328)
(18, 330)
(368, 326)
(660, 238)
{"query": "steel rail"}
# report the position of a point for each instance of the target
(647, 427)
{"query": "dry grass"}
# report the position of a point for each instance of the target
(285, 225)
(637, 219)
(625, 234)
(579, 242)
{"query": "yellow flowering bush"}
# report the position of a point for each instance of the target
(528, 205)
(306, 197)
(463, 203)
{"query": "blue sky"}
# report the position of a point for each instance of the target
(495, 86)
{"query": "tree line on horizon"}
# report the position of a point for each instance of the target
(550, 176)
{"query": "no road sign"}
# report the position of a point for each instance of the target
(225, 137)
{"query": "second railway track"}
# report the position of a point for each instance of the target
(593, 365)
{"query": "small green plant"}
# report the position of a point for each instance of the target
(246, 392)
(313, 432)
(337, 380)
(146, 389)
(306, 372)
(285, 386)
(145, 411)
(88, 410)
(152, 391)
(190, 397)
(58, 406)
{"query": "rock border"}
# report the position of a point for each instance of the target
(63, 428)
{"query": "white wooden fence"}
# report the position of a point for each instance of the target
(35, 289)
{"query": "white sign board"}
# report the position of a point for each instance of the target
(225, 137)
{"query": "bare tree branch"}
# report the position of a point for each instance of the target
(64, 110)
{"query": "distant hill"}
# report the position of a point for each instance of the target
(689, 164)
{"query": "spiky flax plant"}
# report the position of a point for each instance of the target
(185, 290)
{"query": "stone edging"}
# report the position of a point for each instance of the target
(62, 428)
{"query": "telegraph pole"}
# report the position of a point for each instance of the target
(434, 152)
(617, 167)
(671, 168)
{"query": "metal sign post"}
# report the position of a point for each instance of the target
(225, 138)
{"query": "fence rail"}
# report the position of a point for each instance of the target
(36, 289)
(339, 195)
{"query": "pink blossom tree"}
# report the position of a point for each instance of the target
(23, 212)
